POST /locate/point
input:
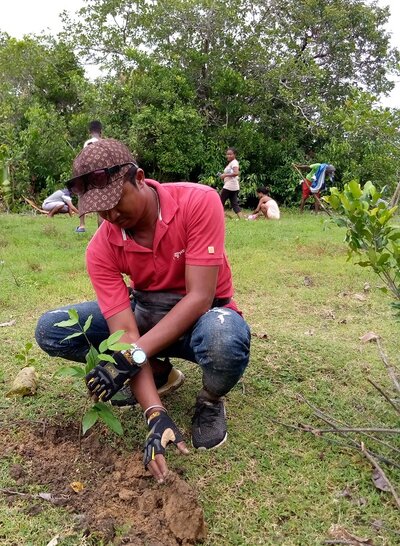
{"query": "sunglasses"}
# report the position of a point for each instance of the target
(98, 179)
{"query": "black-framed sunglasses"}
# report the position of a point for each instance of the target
(98, 179)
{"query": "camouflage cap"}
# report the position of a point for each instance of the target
(103, 154)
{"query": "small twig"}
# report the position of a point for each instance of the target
(385, 395)
(10, 492)
(328, 419)
(376, 465)
(385, 527)
(346, 430)
(301, 429)
(341, 541)
(390, 369)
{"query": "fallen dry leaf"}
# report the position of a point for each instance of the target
(25, 383)
(78, 487)
(262, 335)
(54, 541)
(359, 297)
(369, 336)
(328, 314)
(338, 532)
(380, 481)
(9, 323)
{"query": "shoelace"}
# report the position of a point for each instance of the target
(199, 418)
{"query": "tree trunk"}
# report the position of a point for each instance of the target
(396, 196)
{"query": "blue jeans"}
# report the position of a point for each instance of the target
(219, 342)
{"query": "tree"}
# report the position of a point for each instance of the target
(265, 76)
(38, 97)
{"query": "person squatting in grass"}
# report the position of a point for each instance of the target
(267, 206)
(169, 239)
(60, 202)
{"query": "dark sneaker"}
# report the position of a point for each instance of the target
(208, 424)
(165, 383)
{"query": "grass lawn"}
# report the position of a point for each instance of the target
(307, 308)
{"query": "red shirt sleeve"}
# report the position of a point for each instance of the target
(205, 225)
(107, 280)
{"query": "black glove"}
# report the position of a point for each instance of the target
(163, 431)
(107, 378)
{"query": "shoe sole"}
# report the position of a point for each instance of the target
(171, 387)
(202, 448)
(166, 389)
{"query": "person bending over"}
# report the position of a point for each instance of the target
(59, 202)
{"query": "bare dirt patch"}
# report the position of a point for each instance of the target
(117, 491)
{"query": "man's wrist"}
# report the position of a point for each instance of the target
(135, 355)
(151, 410)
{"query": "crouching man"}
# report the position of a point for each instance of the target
(169, 240)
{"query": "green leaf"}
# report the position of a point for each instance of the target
(355, 189)
(120, 346)
(70, 371)
(113, 338)
(76, 334)
(383, 258)
(92, 359)
(89, 419)
(73, 314)
(103, 346)
(88, 323)
(109, 418)
(28, 346)
(106, 357)
(66, 323)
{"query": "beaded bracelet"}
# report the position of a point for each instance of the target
(153, 407)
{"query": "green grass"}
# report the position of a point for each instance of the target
(269, 485)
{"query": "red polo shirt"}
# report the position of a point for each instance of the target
(189, 231)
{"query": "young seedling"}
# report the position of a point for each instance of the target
(99, 410)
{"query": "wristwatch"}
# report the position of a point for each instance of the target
(135, 356)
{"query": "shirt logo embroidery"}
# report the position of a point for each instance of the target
(211, 250)
(177, 255)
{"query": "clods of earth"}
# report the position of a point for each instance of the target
(102, 489)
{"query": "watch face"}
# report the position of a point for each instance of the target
(139, 357)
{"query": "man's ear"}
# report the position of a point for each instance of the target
(139, 177)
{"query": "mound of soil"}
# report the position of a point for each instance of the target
(116, 489)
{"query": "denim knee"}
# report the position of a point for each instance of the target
(221, 344)
(50, 337)
(52, 340)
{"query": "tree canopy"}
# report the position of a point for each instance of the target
(184, 79)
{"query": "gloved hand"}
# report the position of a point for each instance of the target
(163, 431)
(107, 378)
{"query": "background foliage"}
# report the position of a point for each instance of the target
(182, 80)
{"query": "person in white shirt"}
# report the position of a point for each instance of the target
(95, 130)
(266, 206)
(230, 176)
(59, 201)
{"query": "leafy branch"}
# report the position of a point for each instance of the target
(370, 232)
